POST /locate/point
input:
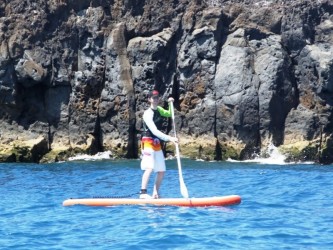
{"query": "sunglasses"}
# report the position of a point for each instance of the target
(155, 97)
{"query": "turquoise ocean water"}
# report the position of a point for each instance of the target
(283, 207)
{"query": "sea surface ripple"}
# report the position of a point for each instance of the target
(283, 207)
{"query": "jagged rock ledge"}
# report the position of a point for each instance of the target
(245, 74)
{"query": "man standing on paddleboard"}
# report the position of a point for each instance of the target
(152, 154)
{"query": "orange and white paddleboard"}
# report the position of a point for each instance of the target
(184, 202)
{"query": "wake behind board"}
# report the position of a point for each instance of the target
(184, 202)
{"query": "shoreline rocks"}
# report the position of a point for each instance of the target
(244, 74)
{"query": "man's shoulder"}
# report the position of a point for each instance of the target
(148, 111)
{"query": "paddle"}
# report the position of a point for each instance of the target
(183, 189)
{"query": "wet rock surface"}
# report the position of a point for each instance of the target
(245, 74)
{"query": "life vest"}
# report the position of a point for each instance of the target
(158, 120)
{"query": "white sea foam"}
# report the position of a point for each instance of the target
(271, 155)
(84, 157)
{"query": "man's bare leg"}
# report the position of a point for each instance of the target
(158, 182)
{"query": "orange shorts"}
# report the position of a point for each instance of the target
(148, 142)
(152, 155)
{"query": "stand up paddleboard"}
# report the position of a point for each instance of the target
(184, 202)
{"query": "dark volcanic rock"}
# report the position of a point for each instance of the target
(74, 76)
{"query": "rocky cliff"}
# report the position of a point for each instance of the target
(74, 76)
